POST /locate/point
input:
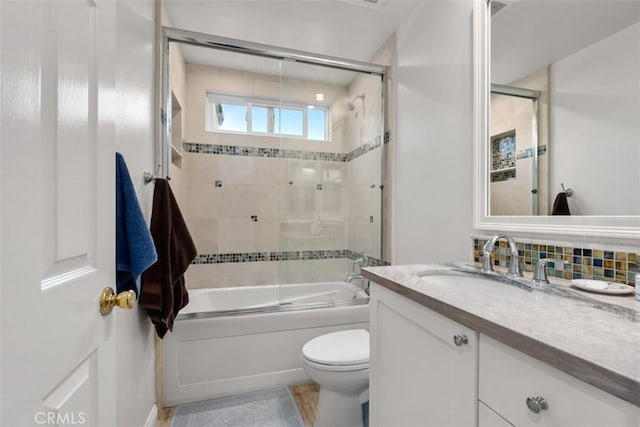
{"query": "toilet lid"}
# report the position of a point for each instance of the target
(339, 348)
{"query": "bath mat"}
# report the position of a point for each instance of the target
(266, 408)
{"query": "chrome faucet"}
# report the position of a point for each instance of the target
(540, 273)
(514, 264)
(363, 261)
(351, 277)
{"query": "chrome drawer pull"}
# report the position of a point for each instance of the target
(460, 340)
(537, 404)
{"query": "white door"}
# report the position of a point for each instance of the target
(57, 204)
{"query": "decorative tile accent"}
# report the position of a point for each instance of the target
(281, 256)
(503, 175)
(568, 262)
(371, 145)
(373, 262)
(503, 150)
(235, 150)
(387, 137)
(528, 152)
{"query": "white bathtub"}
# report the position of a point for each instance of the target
(233, 340)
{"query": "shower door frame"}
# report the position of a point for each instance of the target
(177, 35)
(534, 97)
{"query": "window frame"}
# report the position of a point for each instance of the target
(212, 98)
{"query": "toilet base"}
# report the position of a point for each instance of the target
(337, 409)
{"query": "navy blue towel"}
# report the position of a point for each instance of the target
(135, 250)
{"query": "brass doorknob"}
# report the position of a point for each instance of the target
(109, 299)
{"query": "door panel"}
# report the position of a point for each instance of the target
(57, 204)
(74, 399)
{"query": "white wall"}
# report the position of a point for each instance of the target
(134, 139)
(595, 116)
(434, 170)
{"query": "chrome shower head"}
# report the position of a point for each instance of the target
(350, 104)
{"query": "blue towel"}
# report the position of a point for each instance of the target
(135, 250)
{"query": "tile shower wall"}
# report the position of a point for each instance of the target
(248, 209)
(266, 210)
(568, 262)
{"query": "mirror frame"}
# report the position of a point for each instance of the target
(617, 227)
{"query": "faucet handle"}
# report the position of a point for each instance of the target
(540, 272)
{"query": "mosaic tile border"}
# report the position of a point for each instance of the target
(364, 149)
(279, 153)
(528, 152)
(241, 257)
(568, 262)
(504, 175)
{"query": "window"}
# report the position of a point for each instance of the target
(237, 114)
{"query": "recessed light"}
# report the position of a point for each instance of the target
(319, 96)
(311, 107)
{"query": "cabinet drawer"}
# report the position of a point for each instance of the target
(508, 377)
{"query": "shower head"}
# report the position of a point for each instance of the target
(350, 104)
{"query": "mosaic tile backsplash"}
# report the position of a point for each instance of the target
(567, 262)
(281, 256)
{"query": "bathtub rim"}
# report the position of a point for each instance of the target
(281, 308)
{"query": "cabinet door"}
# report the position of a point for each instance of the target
(419, 376)
(508, 377)
(487, 417)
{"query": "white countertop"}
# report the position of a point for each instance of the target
(593, 337)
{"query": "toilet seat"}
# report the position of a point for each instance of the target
(336, 368)
(339, 351)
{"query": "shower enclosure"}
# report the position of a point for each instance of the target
(275, 157)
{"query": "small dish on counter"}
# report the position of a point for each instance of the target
(602, 287)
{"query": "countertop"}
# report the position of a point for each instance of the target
(595, 338)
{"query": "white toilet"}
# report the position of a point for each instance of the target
(339, 362)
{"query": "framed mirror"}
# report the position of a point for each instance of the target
(557, 117)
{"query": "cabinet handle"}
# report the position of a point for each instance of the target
(460, 340)
(537, 404)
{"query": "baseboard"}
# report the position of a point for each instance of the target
(152, 418)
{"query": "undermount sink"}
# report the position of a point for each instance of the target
(461, 273)
(454, 275)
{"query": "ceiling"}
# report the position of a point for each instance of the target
(519, 46)
(350, 29)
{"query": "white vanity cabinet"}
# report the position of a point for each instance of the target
(507, 378)
(423, 365)
(487, 417)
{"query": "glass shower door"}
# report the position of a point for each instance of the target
(330, 183)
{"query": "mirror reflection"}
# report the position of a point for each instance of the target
(564, 131)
